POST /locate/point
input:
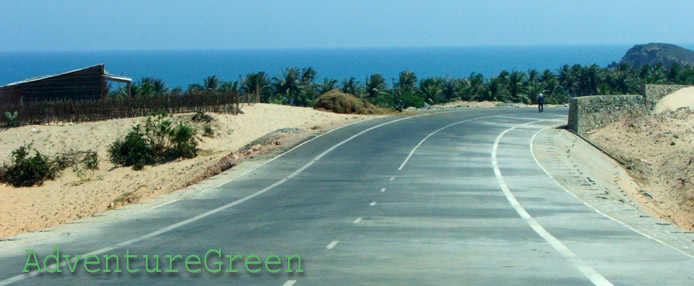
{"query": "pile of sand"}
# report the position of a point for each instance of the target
(340, 102)
(72, 197)
(681, 98)
(659, 149)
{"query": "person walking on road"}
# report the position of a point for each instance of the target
(540, 103)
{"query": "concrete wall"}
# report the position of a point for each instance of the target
(588, 113)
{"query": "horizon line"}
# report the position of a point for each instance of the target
(340, 48)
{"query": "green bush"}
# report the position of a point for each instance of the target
(184, 144)
(157, 142)
(26, 170)
(409, 99)
(12, 120)
(134, 150)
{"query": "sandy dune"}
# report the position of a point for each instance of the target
(71, 197)
(681, 98)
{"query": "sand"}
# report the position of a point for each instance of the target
(659, 149)
(71, 197)
(681, 98)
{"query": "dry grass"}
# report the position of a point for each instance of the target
(340, 102)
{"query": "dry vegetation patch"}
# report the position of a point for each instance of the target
(340, 102)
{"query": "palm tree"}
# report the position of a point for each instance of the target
(288, 85)
(211, 83)
(450, 89)
(229, 86)
(407, 80)
(350, 86)
(566, 78)
(533, 88)
(257, 85)
(517, 87)
(308, 75)
(477, 89)
(328, 84)
(430, 89)
(375, 85)
(496, 90)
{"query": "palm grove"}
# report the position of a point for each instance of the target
(301, 87)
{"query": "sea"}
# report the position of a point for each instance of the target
(179, 68)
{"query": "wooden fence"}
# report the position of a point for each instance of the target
(41, 112)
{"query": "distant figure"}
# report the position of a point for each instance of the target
(540, 103)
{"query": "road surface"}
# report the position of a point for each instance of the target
(449, 198)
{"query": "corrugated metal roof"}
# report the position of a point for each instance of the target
(33, 79)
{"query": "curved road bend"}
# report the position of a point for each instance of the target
(470, 206)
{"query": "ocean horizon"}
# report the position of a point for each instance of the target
(183, 67)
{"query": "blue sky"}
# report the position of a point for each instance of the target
(31, 25)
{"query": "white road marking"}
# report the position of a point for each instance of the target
(391, 178)
(383, 190)
(332, 244)
(20, 277)
(289, 283)
(432, 134)
(164, 204)
(532, 151)
(581, 265)
(372, 204)
(357, 220)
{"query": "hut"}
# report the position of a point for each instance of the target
(84, 83)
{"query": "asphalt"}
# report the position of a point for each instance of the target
(470, 207)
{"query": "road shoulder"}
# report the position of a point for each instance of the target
(603, 184)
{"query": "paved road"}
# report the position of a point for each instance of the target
(451, 198)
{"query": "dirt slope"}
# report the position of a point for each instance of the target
(660, 150)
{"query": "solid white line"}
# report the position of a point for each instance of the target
(357, 220)
(383, 190)
(581, 265)
(289, 283)
(532, 151)
(219, 209)
(164, 204)
(372, 203)
(332, 244)
(437, 131)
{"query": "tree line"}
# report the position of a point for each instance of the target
(300, 86)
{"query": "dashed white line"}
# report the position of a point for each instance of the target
(332, 244)
(289, 283)
(432, 134)
(569, 255)
(357, 220)
(383, 190)
(392, 178)
(23, 276)
(372, 204)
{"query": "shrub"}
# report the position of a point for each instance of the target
(91, 161)
(157, 142)
(409, 99)
(202, 117)
(207, 131)
(134, 150)
(26, 170)
(184, 144)
(12, 119)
